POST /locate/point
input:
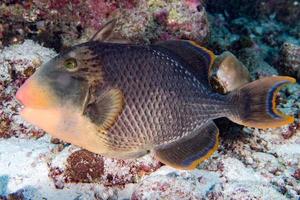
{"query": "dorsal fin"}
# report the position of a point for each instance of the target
(105, 32)
(199, 59)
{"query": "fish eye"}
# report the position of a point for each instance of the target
(70, 64)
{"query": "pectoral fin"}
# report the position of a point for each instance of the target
(106, 108)
(189, 152)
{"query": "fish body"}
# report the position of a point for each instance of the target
(125, 100)
(165, 100)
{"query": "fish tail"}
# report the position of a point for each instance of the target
(255, 103)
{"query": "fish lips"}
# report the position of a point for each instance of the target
(34, 94)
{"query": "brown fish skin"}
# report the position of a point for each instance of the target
(164, 101)
(123, 100)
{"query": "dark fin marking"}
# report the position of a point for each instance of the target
(190, 151)
(198, 58)
(256, 103)
(105, 32)
(106, 108)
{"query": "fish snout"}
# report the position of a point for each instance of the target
(32, 94)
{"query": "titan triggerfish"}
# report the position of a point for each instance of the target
(126, 100)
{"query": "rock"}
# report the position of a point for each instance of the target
(57, 24)
(256, 65)
(289, 61)
(160, 20)
(168, 183)
(297, 174)
(266, 161)
(16, 195)
(84, 166)
(286, 11)
(17, 63)
(245, 183)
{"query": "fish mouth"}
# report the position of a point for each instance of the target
(21, 103)
(34, 95)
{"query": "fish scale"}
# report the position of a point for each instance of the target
(154, 71)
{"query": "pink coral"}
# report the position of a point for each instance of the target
(99, 10)
(193, 4)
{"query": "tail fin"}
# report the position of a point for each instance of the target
(256, 103)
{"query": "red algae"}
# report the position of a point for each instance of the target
(297, 174)
(84, 166)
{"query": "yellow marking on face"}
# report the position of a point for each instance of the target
(34, 95)
(69, 125)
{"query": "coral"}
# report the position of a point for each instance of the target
(84, 166)
(56, 175)
(249, 164)
(80, 166)
(164, 21)
(256, 65)
(194, 4)
(15, 196)
(289, 100)
(292, 129)
(289, 61)
(119, 172)
(286, 11)
(16, 64)
(297, 174)
(171, 184)
(65, 23)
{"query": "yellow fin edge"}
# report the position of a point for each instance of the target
(286, 118)
(197, 162)
(206, 156)
(211, 54)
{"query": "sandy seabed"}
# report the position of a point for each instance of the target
(257, 165)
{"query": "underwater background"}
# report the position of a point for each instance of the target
(250, 163)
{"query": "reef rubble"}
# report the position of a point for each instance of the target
(249, 164)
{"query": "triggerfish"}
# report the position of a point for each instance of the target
(126, 100)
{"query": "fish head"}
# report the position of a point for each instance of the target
(54, 97)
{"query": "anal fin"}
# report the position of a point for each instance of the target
(190, 151)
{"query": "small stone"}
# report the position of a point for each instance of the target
(297, 174)
(55, 140)
(18, 195)
(84, 166)
(29, 71)
(289, 61)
